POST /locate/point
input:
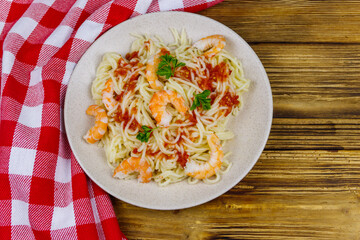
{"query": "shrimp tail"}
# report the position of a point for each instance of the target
(158, 106)
(108, 95)
(151, 74)
(211, 167)
(134, 164)
(211, 45)
(101, 121)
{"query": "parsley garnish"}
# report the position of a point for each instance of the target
(167, 66)
(202, 99)
(144, 136)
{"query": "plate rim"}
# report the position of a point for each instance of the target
(230, 186)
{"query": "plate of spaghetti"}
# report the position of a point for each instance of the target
(168, 110)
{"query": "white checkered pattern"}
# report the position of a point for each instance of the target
(86, 35)
(22, 161)
(24, 27)
(61, 173)
(19, 210)
(166, 5)
(59, 36)
(31, 116)
(63, 217)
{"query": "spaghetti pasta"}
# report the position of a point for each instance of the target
(194, 136)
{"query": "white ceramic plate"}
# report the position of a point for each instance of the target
(251, 126)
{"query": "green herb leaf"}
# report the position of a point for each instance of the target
(165, 71)
(144, 136)
(201, 99)
(162, 64)
(168, 65)
(146, 128)
(181, 64)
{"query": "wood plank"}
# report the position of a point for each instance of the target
(306, 183)
(287, 195)
(314, 133)
(290, 21)
(313, 80)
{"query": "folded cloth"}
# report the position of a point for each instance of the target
(44, 194)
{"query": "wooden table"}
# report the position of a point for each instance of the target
(306, 183)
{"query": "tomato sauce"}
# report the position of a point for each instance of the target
(166, 145)
(184, 73)
(135, 151)
(132, 55)
(219, 73)
(120, 117)
(164, 51)
(122, 68)
(134, 111)
(229, 100)
(150, 153)
(125, 67)
(120, 97)
(134, 125)
(180, 140)
(130, 85)
(121, 71)
(147, 45)
(182, 158)
(179, 121)
(163, 156)
(213, 97)
(125, 118)
(206, 84)
(192, 118)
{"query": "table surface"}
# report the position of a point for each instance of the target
(306, 183)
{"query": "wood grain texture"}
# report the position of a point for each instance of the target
(287, 195)
(313, 80)
(298, 21)
(306, 184)
(314, 133)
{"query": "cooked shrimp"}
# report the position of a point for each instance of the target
(108, 95)
(134, 164)
(206, 170)
(97, 132)
(158, 106)
(151, 75)
(211, 44)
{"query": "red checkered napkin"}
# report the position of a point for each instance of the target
(44, 194)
